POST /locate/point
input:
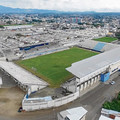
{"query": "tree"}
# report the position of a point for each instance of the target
(117, 34)
(9, 22)
(1, 26)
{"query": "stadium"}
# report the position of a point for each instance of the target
(51, 67)
(75, 68)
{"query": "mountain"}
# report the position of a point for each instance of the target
(8, 10)
(5, 10)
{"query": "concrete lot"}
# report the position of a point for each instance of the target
(10, 100)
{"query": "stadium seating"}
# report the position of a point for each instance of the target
(99, 46)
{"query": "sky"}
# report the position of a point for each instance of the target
(66, 5)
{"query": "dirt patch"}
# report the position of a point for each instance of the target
(4, 100)
(10, 101)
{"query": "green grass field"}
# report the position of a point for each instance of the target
(51, 67)
(106, 39)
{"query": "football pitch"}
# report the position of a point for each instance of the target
(51, 67)
(106, 39)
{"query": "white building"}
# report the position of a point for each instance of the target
(91, 70)
(117, 118)
(104, 118)
(78, 113)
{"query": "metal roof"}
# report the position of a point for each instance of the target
(74, 113)
(104, 118)
(23, 76)
(96, 63)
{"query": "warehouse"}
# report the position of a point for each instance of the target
(95, 69)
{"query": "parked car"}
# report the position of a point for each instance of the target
(112, 82)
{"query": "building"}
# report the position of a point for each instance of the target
(117, 118)
(102, 117)
(94, 69)
(78, 113)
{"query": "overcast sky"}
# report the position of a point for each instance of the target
(66, 5)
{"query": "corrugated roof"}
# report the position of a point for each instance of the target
(95, 63)
(74, 113)
(23, 76)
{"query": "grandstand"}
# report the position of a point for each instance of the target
(23, 78)
(97, 46)
(41, 45)
(96, 68)
(44, 52)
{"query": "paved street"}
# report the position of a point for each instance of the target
(92, 101)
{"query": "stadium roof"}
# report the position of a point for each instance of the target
(20, 74)
(95, 63)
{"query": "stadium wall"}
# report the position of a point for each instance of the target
(37, 105)
(32, 105)
(82, 88)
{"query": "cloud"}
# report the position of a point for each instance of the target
(66, 5)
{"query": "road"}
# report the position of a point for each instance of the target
(92, 101)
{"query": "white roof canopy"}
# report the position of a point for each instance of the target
(95, 63)
(20, 74)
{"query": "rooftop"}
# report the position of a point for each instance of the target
(23, 76)
(104, 118)
(74, 113)
(95, 63)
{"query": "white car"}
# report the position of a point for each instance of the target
(112, 82)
